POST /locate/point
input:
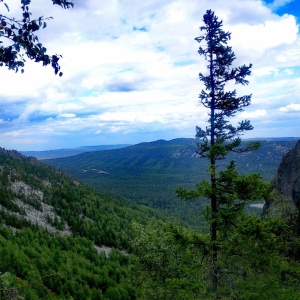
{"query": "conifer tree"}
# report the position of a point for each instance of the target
(227, 190)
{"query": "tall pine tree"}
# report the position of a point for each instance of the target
(227, 190)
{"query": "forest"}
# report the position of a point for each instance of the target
(149, 257)
(65, 264)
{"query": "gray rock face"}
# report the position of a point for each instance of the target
(287, 180)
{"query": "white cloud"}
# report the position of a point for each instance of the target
(253, 114)
(293, 107)
(266, 35)
(132, 67)
(279, 3)
(66, 115)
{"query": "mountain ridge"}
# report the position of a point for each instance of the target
(65, 152)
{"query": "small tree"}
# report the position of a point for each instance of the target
(18, 37)
(227, 190)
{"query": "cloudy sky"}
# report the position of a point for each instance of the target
(131, 72)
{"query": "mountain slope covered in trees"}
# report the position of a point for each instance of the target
(60, 238)
(150, 173)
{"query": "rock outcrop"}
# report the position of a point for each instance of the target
(287, 179)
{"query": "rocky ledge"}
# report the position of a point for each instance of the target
(287, 179)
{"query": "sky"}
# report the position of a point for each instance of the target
(131, 72)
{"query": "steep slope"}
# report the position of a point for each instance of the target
(39, 193)
(56, 232)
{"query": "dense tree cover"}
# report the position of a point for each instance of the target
(65, 266)
(149, 173)
(55, 267)
(19, 37)
(165, 261)
(260, 260)
(98, 216)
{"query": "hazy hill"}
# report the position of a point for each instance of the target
(48, 154)
(149, 173)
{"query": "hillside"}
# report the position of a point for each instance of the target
(149, 173)
(63, 236)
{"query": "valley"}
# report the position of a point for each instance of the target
(149, 173)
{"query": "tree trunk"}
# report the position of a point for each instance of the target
(213, 237)
(213, 199)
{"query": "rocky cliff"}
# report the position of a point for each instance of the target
(287, 179)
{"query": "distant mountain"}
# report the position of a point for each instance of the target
(49, 154)
(149, 173)
(290, 138)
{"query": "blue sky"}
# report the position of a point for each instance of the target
(282, 7)
(131, 72)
